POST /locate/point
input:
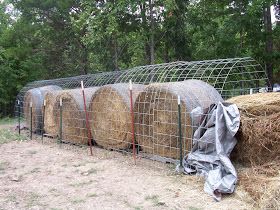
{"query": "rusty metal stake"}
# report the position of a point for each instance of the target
(87, 120)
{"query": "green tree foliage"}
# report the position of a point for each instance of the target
(44, 39)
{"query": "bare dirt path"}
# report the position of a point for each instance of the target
(45, 176)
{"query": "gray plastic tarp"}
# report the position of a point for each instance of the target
(213, 142)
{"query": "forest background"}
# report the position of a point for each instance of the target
(46, 39)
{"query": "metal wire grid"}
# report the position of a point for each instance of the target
(230, 77)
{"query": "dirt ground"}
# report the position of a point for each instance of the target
(48, 176)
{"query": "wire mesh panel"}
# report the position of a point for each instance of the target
(155, 117)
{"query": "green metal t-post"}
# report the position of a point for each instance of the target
(18, 117)
(180, 132)
(31, 120)
(60, 122)
(43, 120)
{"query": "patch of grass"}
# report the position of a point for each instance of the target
(33, 200)
(7, 136)
(91, 195)
(3, 166)
(8, 121)
(35, 170)
(52, 190)
(32, 152)
(11, 198)
(76, 201)
(193, 208)
(155, 200)
(80, 184)
(92, 171)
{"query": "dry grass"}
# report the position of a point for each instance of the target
(259, 147)
(262, 184)
(259, 134)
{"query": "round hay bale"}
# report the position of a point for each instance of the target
(110, 115)
(156, 115)
(74, 128)
(36, 96)
(51, 120)
(259, 104)
(259, 133)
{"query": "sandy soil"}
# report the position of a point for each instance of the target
(47, 176)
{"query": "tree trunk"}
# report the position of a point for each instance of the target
(116, 53)
(85, 60)
(145, 28)
(152, 33)
(268, 45)
(166, 53)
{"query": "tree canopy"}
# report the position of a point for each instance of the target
(45, 39)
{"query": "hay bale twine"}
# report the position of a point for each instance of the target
(36, 96)
(156, 114)
(259, 133)
(110, 115)
(74, 128)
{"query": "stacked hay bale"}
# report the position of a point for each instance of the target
(156, 114)
(259, 133)
(73, 116)
(110, 115)
(36, 97)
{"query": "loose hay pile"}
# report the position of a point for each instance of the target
(36, 96)
(262, 184)
(259, 133)
(110, 115)
(73, 117)
(156, 115)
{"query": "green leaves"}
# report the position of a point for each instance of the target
(45, 39)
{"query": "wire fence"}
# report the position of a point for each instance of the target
(155, 116)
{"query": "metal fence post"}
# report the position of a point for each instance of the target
(180, 132)
(43, 120)
(18, 102)
(31, 121)
(60, 121)
(132, 122)
(87, 120)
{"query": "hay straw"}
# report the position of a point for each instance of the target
(50, 120)
(110, 115)
(262, 184)
(259, 133)
(156, 115)
(73, 116)
(36, 96)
